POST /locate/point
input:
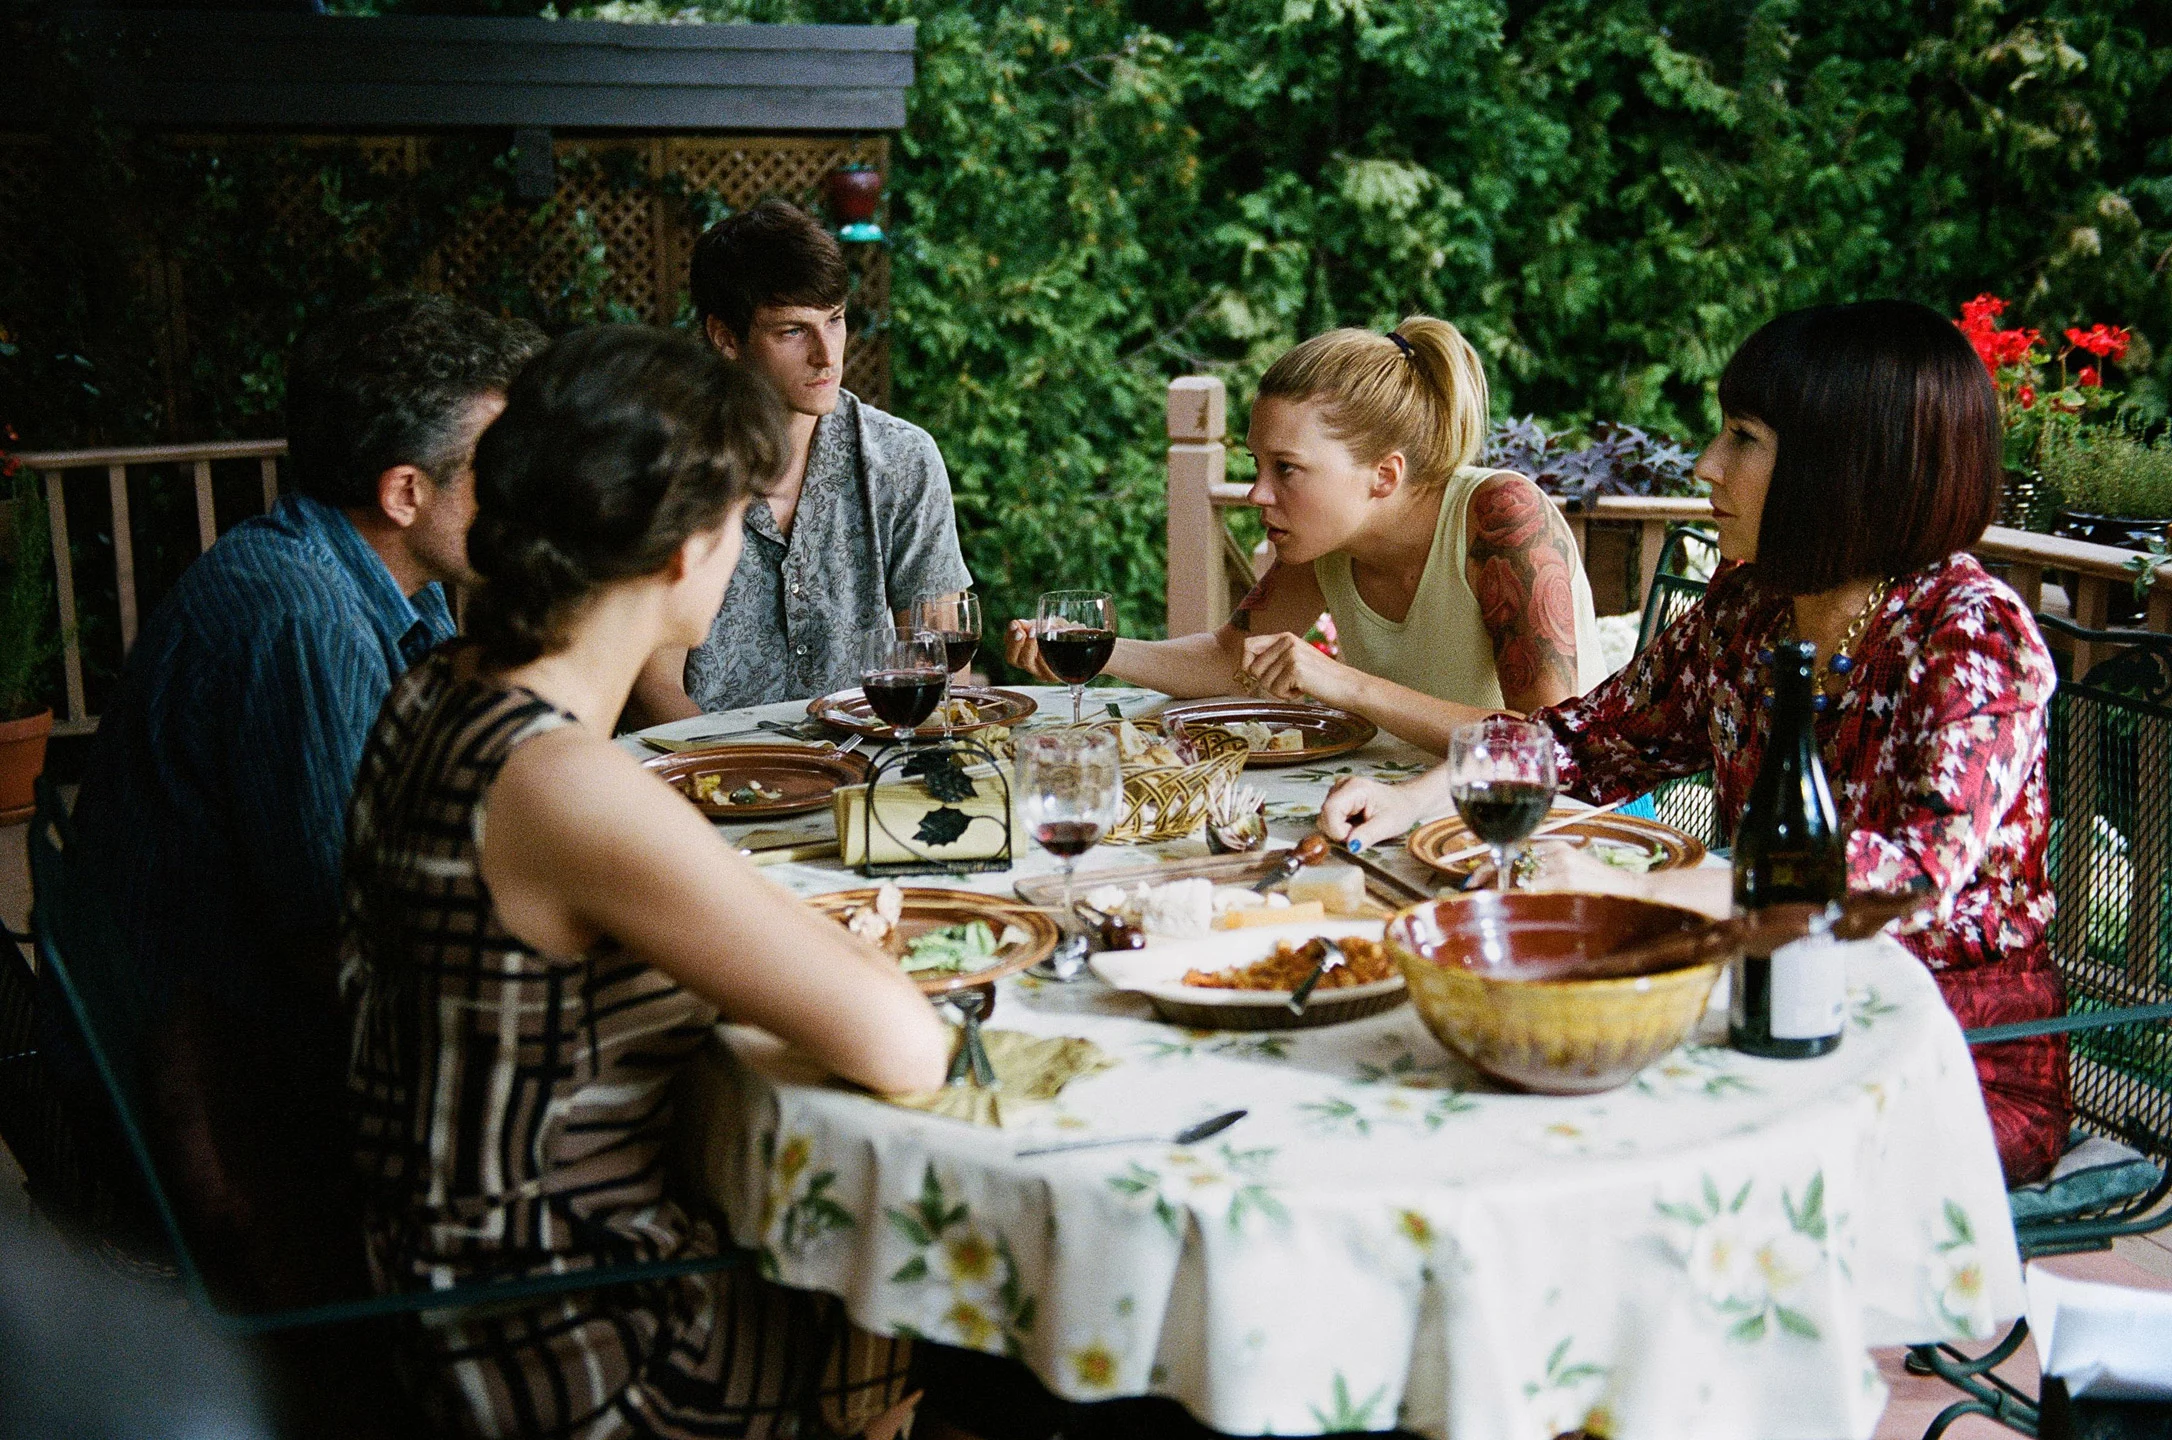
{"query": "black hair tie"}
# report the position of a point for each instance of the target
(1403, 345)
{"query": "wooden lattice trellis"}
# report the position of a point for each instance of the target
(631, 196)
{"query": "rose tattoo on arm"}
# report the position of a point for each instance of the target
(1519, 564)
(1241, 617)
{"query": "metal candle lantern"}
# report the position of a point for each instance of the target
(942, 769)
(854, 193)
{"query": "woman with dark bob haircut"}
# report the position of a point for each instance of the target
(524, 992)
(1858, 462)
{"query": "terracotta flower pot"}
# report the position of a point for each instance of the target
(2127, 532)
(22, 760)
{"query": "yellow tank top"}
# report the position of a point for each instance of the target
(1441, 648)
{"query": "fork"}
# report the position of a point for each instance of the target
(970, 1003)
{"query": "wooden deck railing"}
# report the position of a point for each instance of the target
(1205, 568)
(1202, 576)
(54, 465)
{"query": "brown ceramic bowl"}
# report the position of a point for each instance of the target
(1485, 976)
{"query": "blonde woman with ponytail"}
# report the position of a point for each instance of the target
(1450, 585)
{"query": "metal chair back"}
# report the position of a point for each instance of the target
(1689, 804)
(2110, 749)
(1676, 585)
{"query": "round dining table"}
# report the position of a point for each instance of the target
(1387, 1240)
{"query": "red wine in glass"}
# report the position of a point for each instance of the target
(902, 675)
(1501, 774)
(1504, 811)
(1071, 791)
(1076, 633)
(904, 698)
(1076, 656)
(959, 650)
(1068, 839)
(957, 620)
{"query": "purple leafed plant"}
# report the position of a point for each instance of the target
(1616, 460)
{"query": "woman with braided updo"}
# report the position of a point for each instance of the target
(524, 992)
(1448, 583)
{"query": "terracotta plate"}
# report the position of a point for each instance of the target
(1157, 972)
(930, 909)
(1627, 835)
(1328, 732)
(849, 710)
(803, 776)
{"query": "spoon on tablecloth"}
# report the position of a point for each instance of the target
(1189, 1135)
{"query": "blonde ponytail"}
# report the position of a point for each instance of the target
(1419, 389)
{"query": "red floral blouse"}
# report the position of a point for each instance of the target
(1936, 755)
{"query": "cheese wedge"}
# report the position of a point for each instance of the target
(1340, 889)
(1290, 914)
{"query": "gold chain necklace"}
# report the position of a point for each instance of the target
(1841, 663)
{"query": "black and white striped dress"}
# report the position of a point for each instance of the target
(513, 1119)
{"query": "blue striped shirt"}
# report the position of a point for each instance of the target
(215, 802)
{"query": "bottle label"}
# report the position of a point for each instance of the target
(1809, 989)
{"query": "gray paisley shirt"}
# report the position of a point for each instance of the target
(873, 533)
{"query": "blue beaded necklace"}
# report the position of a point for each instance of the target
(1841, 664)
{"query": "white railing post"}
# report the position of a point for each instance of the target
(54, 465)
(1198, 418)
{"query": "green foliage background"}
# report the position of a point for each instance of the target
(1095, 195)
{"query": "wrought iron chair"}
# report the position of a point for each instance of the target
(2110, 750)
(1686, 559)
(1687, 804)
(78, 945)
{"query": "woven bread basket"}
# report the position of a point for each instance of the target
(1169, 802)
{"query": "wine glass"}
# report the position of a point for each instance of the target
(902, 674)
(1071, 792)
(1501, 773)
(1076, 633)
(957, 619)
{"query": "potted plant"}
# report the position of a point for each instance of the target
(28, 640)
(2037, 404)
(2114, 487)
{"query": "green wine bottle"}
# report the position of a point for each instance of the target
(1790, 1002)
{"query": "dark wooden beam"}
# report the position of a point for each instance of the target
(205, 70)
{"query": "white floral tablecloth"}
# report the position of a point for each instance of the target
(1386, 1240)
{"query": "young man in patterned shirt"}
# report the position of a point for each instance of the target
(860, 524)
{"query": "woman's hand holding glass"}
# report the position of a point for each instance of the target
(1021, 648)
(1075, 634)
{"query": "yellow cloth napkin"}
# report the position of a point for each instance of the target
(1029, 1068)
(899, 809)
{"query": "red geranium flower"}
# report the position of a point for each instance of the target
(2089, 379)
(2106, 342)
(1981, 311)
(2027, 396)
